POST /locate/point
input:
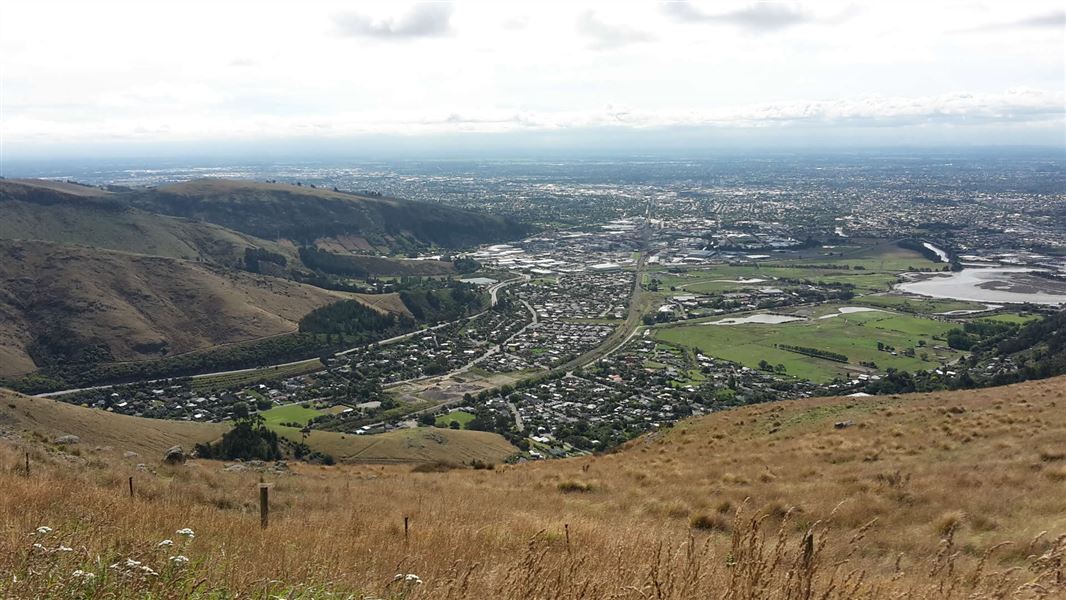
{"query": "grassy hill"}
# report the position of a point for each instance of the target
(43, 420)
(61, 213)
(948, 495)
(59, 301)
(307, 215)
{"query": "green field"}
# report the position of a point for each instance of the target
(290, 413)
(918, 304)
(870, 269)
(724, 278)
(461, 416)
(1016, 318)
(855, 335)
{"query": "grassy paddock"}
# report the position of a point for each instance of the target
(461, 416)
(290, 413)
(854, 335)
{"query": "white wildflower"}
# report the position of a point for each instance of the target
(408, 578)
(148, 570)
(186, 532)
(87, 576)
(62, 548)
(179, 560)
(39, 547)
(44, 530)
(130, 563)
(165, 544)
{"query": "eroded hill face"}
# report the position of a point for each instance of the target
(306, 215)
(910, 495)
(60, 302)
(60, 214)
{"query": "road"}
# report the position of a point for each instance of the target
(493, 295)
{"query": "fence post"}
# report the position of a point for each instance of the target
(27, 463)
(405, 518)
(131, 486)
(566, 526)
(264, 505)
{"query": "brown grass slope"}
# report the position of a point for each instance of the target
(44, 419)
(135, 304)
(54, 212)
(949, 496)
(74, 189)
(30, 418)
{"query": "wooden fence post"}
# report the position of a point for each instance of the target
(566, 526)
(405, 517)
(264, 505)
(131, 486)
(27, 463)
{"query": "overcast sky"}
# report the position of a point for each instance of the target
(119, 77)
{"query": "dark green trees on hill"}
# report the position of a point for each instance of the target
(354, 320)
(248, 440)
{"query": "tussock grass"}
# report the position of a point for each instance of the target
(982, 518)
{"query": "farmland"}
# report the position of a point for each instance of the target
(290, 413)
(855, 335)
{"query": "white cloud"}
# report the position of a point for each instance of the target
(423, 20)
(1013, 106)
(605, 35)
(109, 71)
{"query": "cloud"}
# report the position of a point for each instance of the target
(1055, 19)
(605, 36)
(423, 20)
(1020, 109)
(760, 17)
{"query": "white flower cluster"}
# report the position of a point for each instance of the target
(408, 578)
(133, 567)
(186, 533)
(83, 575)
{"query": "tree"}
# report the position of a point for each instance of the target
(250, 439)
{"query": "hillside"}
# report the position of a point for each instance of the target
(307, 215)
(63, 303)
(62, 213)
(30, 418)
(44, 419)
(949, 495)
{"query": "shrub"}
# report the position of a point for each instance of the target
(709, 522)
(571, 486)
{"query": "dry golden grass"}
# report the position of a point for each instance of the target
(145, 299)
(107, 436)
(955, 495)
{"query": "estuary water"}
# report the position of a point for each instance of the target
(1006, 285)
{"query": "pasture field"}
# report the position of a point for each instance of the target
(869, 269)
(1016, 318)
(726, 278)
(855, 335)
(290, 413)
(461, 416)
(918, 304)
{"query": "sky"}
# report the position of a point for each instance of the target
(167, 77)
